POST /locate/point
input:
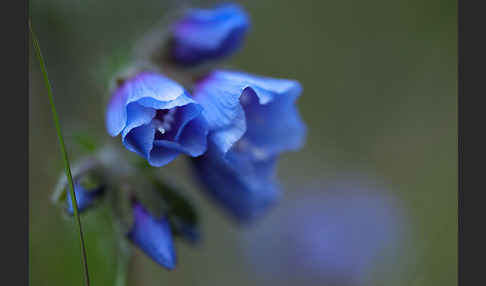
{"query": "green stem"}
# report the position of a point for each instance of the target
(122, 262)
(64, 154)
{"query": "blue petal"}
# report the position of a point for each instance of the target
(153, 236)
(154, 86)
(164, 152)
(207, 34)
(273, 127)
(116, 113)
(140, 140)
(194, 137)
(182, 100)
(189, 138)
(84, 198)
(260, 108)
(244, 188)
(149, 89)
(137, 115)
(192, 143)
(222, 110)
(184, 116)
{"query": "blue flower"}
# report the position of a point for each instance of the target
(334, 236)
(153, 236)
(157, 119)
(85, 198)
(252, 120)
(208, 34)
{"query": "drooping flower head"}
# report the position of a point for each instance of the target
(208, 34)
(252, 119)
(153, 236)
(334, 237)
(157, 118)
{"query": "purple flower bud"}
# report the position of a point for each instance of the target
(153, 236)
(208, 34)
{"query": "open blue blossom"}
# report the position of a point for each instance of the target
(85, 198)
(335, 238)
(157, 119)
(208, 34)
(153, 236)
(252, 119)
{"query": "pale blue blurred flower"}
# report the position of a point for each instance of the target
(334, 237)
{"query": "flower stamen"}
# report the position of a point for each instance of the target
(163, 123)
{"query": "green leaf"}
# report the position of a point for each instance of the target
(63, 151)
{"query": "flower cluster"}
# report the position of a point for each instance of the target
(233, 125)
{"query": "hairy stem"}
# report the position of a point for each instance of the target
(64, 154)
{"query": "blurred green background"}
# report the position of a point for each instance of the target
(379, 99)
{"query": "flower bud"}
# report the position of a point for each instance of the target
(202, 35)
(153, 236)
